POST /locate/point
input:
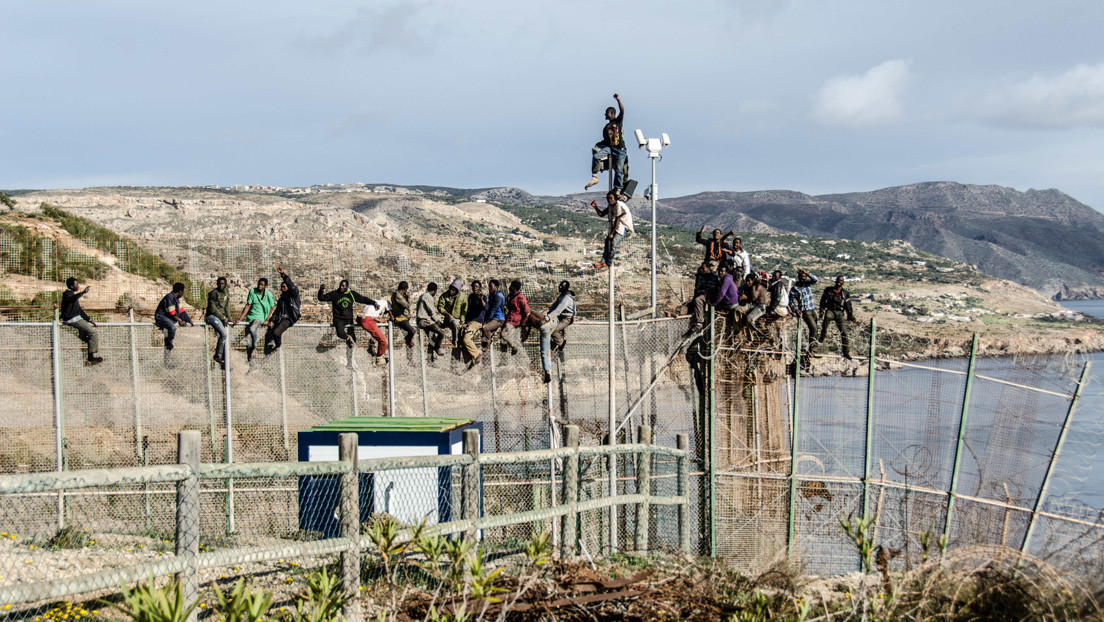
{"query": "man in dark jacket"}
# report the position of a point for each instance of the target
(473, 322)
(169, 314)
(400, 311)
(611, 146)
(217, 316)
(284, 316)
(835, 306)
(73, 315)
(343, 306)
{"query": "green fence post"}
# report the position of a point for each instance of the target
(959, 447)
(1054, 457)
(869, 421)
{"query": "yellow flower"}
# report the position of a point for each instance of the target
(6, 607)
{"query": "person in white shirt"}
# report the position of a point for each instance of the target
(368, 318)
(741, 261)
(556, 320)
(620, 225)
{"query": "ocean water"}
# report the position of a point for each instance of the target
(1094, 308)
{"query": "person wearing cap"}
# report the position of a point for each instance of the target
(835, 306)
(517, 311)
(368, 319)
(454, 307)
(556, 320)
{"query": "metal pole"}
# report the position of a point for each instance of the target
(569, 523)
(390, 370)
(349, 512)
(134, 387)
(228, 452)
(682, 441)
(791, 532)
(470, 484)
(654, 191)
(59, 417)
(869, 446)
(960, 446)
(1054, 457)
(612, 436)
(353, 388)
(425, 390)
(283, 402)
(552, 466)
(643, 487)
(711, 390)
(210, 385)
(187, 515)
(494, 398)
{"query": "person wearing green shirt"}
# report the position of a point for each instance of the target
(258, 306)
(454, 307)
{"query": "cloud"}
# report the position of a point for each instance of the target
(873, 98)
(1073, 99)
(397, 28)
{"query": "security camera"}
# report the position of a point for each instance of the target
(665, 139)
(640, 138)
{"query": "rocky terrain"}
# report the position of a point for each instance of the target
(377, 235)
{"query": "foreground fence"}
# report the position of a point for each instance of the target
(111, 515)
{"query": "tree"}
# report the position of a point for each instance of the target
(7, 201)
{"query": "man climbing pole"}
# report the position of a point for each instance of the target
(620, 225)
(611, 146)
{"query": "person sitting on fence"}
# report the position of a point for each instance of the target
(342, 305)
(73, 315)
(494, 314)
(287, 313)
(429, 320)
(835, 306)
(755, 287)
(453, 306)
(705, 287)
(368, 318)
(620, 225)
(611, 146)
(802, 303)
(400, 311)
(217, 316)
(727, 297)
(168, 314)
(716, 253)
(517, 312)
(779, 286)
(559, 316)
(473, 323)
(258, 306)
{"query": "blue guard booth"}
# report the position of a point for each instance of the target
(409, 495)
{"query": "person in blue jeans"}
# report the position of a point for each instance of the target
(169, 313)
(217, 317)
(559, 316)
(620, 225)
(612, 146)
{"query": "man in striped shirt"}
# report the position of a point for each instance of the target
(803, 304)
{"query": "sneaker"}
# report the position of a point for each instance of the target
(513, 351)
(94, 360)
(847, 355)
(547, 377)
(590, 184)
(598, 265)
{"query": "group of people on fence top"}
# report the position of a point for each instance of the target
(726, 280)
(468, 320)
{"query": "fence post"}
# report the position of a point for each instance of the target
(1054, 457)
(682, 442)
(570, 521)
(187, 515)
(470, 484)
(283, 403)
(494, 398)
(611, 437)
(350, 524)
(869, 421)
(643, 487)
(959, 447)
(390, 370)
(138, 449)
(228, 451)
(711, 389)
(425, 390)
(59, 417)
(791, 540)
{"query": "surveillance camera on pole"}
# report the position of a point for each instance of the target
(653, 146)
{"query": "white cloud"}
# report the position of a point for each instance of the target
(873, 98)
(1073, 99)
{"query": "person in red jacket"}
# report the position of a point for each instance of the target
(517, 311)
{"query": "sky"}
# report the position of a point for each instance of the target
(818, 96)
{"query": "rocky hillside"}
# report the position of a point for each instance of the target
(1041, 238)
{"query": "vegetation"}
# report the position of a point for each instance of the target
(27, 253)
(133, 258)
